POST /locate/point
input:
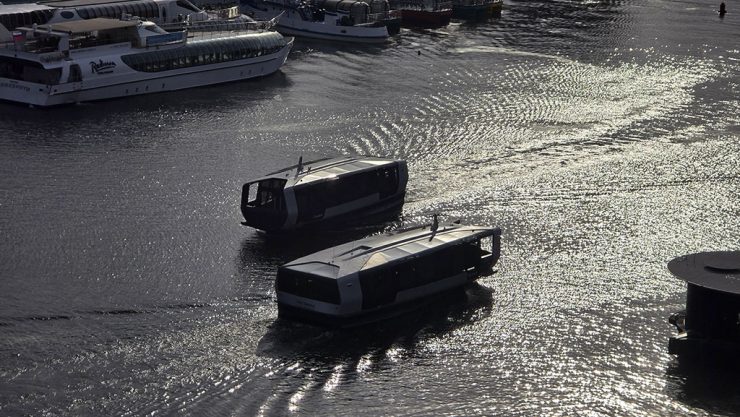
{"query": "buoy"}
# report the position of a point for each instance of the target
(722, 9)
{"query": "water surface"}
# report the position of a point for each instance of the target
(602, 137)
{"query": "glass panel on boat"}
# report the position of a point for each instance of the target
(307, 285)
(22, 70)
(75, 74)
(379, 287)
(266, 194)
(187, 5)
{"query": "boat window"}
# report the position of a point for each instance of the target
(379, 287)
(310, 201)
(267, 194)
(486, 245)
(307, 285)
(388, 181)
(84, 13)
(15, 20)
(187, 5)
(204, 53)
(18, 69)
(437, 265)
(75, 75)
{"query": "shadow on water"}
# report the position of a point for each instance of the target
(267, 250)
(706, 384)
(75, 314)
(279, 248)
(305, 46)
(289, 340)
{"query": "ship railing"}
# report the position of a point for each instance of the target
(430, 5)
(475, 2)
(224, 12)
(222, 25)
(384, 16)
(51, 53)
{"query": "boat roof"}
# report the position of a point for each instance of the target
(89, 25)
(76, 3)
(718, 271)
(375, 251)
(327, 168)
(22, 8)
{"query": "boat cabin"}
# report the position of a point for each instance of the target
(61, 11)
(381, 276)
(710, 325)
(312, 193)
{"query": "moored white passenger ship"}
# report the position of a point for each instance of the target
(315, 193)
(102, 58)
(382, 276)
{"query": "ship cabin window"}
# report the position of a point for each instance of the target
(75, 74)
(102, 37)
(143, 9)
(18, 69)
(15, 20)
(313, 199)
(188, 6)
(266, 194)
(307, 285)
(486, 245)
(205, 53)
(380, 285)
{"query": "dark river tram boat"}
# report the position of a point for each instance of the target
(709, 328)
(383, 276)
(329, 190)
(476, 9)
(424, 13)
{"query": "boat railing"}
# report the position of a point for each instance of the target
(47, 52)
(384, 16)
(222, 25)
(426, 5)
(474, 2)
(223, 13)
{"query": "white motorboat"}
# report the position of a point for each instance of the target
(339, 20)
(102, 58)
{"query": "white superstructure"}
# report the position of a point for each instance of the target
(342, 20)
(104, 58)
(161, 12)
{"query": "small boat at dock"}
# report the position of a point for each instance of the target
(424, 13)
(315, 193)
(382, 276)
(338, 20)
(709, 328)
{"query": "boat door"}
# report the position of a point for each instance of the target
(75, 76)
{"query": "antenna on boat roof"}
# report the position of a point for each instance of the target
(300, 166)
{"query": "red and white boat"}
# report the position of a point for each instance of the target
(424, 13)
